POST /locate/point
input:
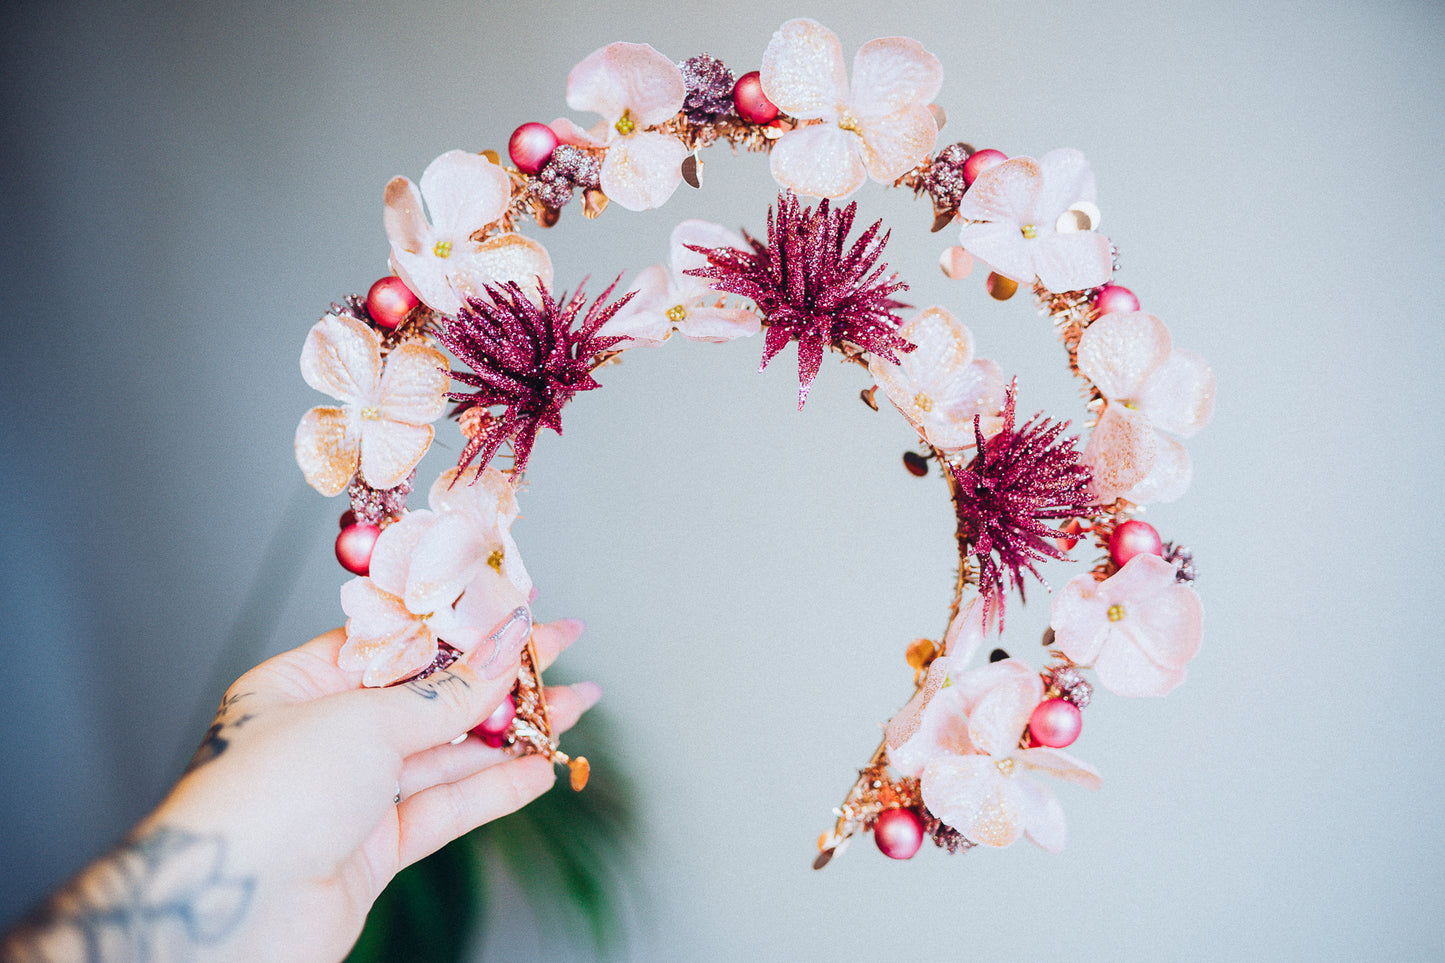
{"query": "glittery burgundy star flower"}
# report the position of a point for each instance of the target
(810, 290)
(1018, 480)
(531, 358)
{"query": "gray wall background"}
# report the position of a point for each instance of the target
(187, 186)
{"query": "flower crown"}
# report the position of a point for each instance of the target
(957, 762)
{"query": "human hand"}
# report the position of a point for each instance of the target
(308, 795)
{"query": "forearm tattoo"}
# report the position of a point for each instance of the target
(218, 737)
(160, 896)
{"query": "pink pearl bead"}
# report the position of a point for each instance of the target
(354, 545)
(898, 833)
(752, 104)
(531, 146)
(1113, 298)
(348, 517)
(496, 724)
(1055, 723)
(1134, 538)
(980, 161)
(389, 302)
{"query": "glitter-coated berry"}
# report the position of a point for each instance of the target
(945, 182)
(531, 146)
(1113, 298)
(1055, 723)
(709, 84)
(389, 302)
(898, 833)
(752, 104)
(354, 545)
(980, 161)
(1134, 538)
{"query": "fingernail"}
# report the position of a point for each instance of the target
(532, 595)
(509, 637)
(587, 693)
(571, 628)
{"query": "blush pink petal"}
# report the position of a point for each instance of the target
(414, 384)
(375, 617)
(1065, 180)
(1125, 670)
(1079, 618)
(999, 245)
(420, 274)
(464, 192)
(1120, 351)
(485, 495)
(507, 257)
(973, 685)
(1169, 474)
(997, 721)
(933, 723)
(627, 77)
(892, 73)
(803, 71)
(1164, 618)
(644, 320)
(971, 795)
(391, 557)
(342, 357)
(385, 663)
(328, 449)
(718, 325)
(1043, 816)
(698, 234)
(1179, 395)
(569, 133)
(488, 603)
(444, 561)
(1060, 765)
(893, 145)
(820, 161)
(1121, 451)
(1007, 193)
(390, 450)
(642, 170)
(965, 633)
(1072, 262)
(404, 215)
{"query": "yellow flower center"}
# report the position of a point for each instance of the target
(495, 561)
(1005, 766)
(922, 402)
(624, 123)
(1116, 612)
(1028, 230)
(442, 249)
(849, 122)
(676, 313)
(371, 414)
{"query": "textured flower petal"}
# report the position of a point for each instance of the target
(631, 77)
(1042, 814)
(569, 133)
(1121, 451)
(642, 170)
(965, 633)
(1072, 262)
(390, 450)
(426, 276)
(698, 234)
(328, 449)
(1120, 351)
(891, 73)
(414, 384)
(1065, 181)
(342, 357)
(489, 602)
(821, 161)
(456, 630)
(1179, 395)
(391, 556)
(1125, 670)
(503, 258)
(997, 721)
(1001, 247)
(373, 615)
(971, 795)
(445, 560)
(464, 192)
(803, 71)
(894, 144)
(1169, 474)
(1161, 617)
(972, 686)
(905, 754)
(1079, 618)
(485, 494)
(404, 217)
(719, 325)
(1007, 192)
(1060, 765)
(384, 663)
(644, 319)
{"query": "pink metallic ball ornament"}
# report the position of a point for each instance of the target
(1134, 538)
(898, 833)
(1114, 298)
(531, 146)
(354, 545)
(980, 161)
(752, 104)
(493, 729)
(389, 302)
(1055, 723)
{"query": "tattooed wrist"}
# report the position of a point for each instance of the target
(162, 895)
(229, 718)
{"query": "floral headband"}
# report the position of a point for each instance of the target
(959, 760)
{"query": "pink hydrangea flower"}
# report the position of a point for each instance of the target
(667, 300)
(384, 424)
(1012, 213)
(939, 387)
(1150, 387)
(878, 127)
(964, 748)
(1138, 628)
(633, 87)
(438, 259)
